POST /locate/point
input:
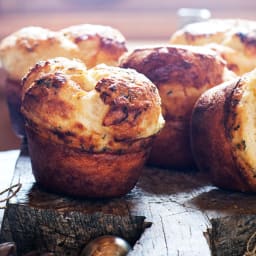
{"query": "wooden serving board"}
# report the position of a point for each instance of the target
(167, 213)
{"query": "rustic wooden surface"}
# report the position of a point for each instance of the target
(189, 216)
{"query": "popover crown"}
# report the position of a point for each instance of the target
(93, 44)
(233, 39)
(101, 109)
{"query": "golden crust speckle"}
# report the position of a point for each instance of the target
(101, 109)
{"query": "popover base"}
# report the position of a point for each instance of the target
(71, 171)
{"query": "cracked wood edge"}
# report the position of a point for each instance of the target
(181, 207)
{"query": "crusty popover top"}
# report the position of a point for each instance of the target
(233, 39)
(101, 109)
(93, 44)
(96, 43)
(181, 74)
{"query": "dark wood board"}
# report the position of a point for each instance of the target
(167, 213)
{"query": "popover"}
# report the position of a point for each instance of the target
(181, 74)
(233, 39)
(223, 133)
(89, 130)
(93, 44)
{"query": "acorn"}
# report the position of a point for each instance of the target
(107, 246)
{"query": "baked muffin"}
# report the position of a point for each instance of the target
(89, 131)
(93, 44)
(96, 43)
(223, 133)
(181, 75)
(233, 39)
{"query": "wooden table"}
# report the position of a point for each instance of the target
(167, 213)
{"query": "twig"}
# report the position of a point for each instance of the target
(253, 251)
(12, 194)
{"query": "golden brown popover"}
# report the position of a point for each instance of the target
(233, 39)
(89, 131)
(181, 74)
(93, 44)
(223, 133)
(96, 43)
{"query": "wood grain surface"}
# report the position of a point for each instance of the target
(167, 213)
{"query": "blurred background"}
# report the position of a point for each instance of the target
(150, 21)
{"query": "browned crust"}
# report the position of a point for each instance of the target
(235, 39)
(126, 106)
(171, 147)
(62, 169)
(93, 44)
(111, 43)
(248, 39)
(190, 38)
(131, 97)
(188, 67)
(181, 75)
(109, 39)
(29, 45)
(108, 44)
(128, 103)
(211, 138)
